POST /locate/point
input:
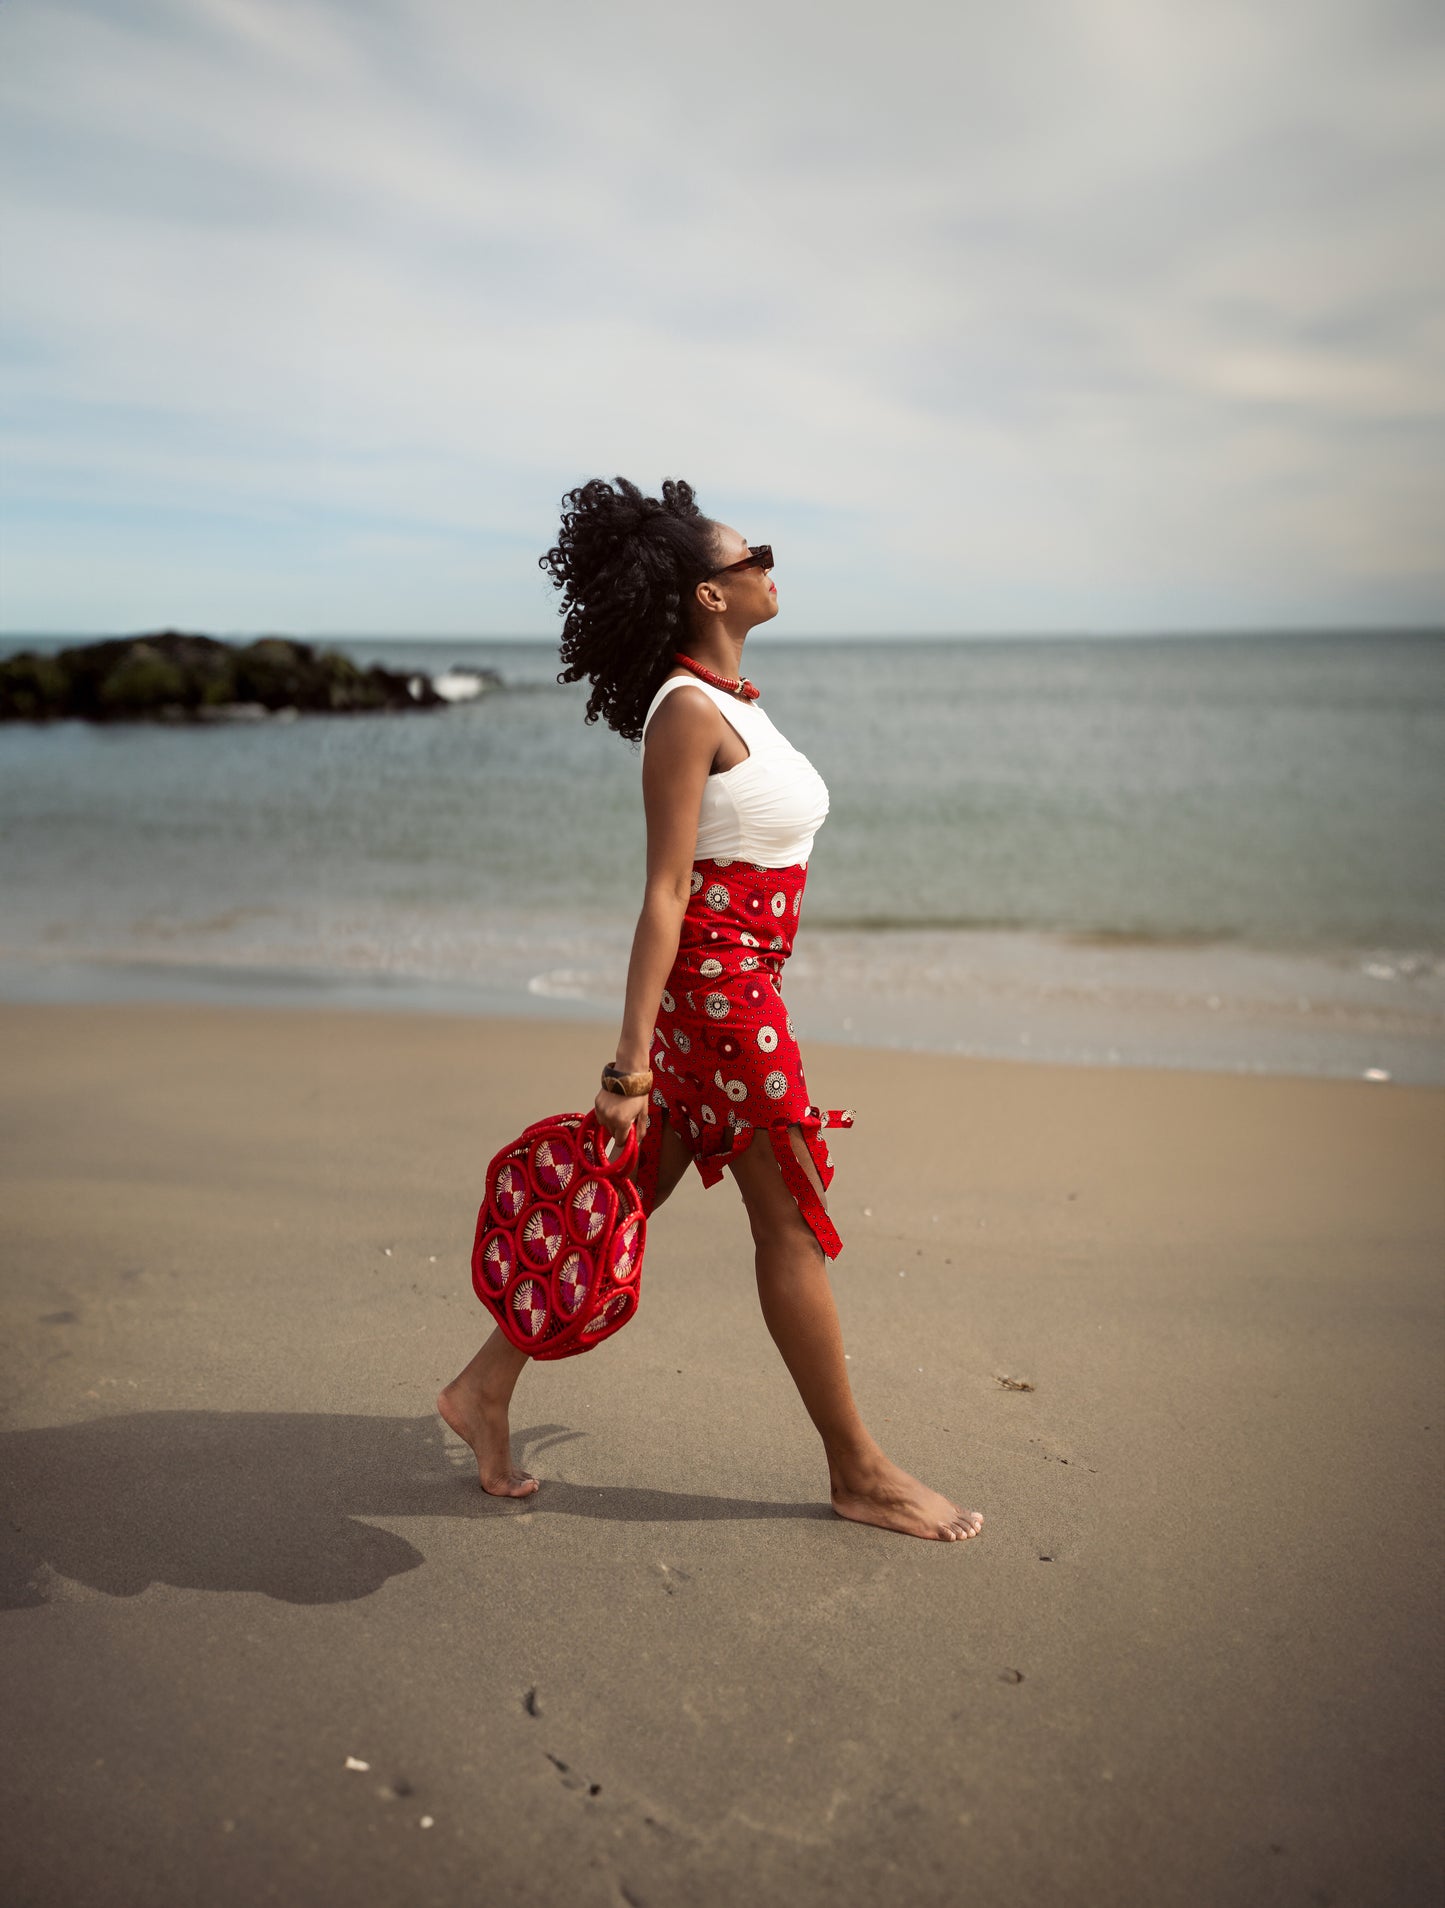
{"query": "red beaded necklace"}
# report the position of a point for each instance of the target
(747, 690)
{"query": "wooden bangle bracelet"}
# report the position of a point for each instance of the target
(629, 1085)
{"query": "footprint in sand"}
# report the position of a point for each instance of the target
(570, 1779)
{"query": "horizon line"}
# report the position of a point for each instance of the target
(1435, 628)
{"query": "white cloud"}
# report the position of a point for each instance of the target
(1096, 314)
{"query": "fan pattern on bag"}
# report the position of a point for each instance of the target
(557, 1257)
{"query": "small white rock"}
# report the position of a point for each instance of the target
(352, 1762)
(428, 1821)
(1376, 1073)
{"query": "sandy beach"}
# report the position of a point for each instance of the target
(266, 1640)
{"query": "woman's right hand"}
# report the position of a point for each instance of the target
(616, 1114)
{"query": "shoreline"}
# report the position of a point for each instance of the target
(1065, 999)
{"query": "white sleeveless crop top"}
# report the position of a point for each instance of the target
(766, 809)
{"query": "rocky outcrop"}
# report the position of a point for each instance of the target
(172, 676)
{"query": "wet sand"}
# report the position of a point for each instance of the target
(1193, 1658)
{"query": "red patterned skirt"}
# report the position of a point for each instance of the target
(724, 1059)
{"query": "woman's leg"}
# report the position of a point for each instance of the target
(797, 1302)
(475, 1403)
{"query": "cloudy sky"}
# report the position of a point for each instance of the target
(1055, 315)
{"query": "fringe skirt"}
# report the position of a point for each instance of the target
(724, 1059)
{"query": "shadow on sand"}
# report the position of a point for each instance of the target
(270, 1501)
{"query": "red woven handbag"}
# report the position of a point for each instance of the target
(557, 1258)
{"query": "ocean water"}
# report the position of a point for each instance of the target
(1045, 848)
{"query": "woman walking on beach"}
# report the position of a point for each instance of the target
(659, 600)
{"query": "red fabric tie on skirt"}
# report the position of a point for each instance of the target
(724, 1058)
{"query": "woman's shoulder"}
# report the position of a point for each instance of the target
(681, 710)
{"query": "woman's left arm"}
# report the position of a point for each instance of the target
(682, 740)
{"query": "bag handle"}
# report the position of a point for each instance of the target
(614, 1165)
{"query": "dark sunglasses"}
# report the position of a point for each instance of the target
(759, 557)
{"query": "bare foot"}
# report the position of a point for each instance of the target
(882, 1494)
(483, 1425)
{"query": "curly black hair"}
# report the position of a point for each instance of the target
(625, 563)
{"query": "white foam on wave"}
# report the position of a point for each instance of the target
(459, 685)
(562, 983)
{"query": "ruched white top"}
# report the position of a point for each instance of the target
(764, 810)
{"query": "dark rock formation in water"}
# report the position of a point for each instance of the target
(175, 677)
